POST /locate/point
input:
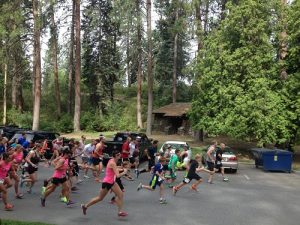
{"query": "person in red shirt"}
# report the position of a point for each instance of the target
(125, 150)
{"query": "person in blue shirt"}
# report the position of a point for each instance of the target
(157, 180)
(22, 139)
(2, 148)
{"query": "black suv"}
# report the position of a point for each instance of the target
(33, 136)
(9, 131)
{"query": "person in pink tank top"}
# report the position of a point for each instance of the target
(61, 165)
(5, 165)
(108, 184)
(17, 158)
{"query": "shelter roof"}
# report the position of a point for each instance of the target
(174, 109)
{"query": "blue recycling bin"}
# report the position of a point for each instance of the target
(277, 160)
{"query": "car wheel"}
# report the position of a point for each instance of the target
(233, 170)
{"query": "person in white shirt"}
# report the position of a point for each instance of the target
(87, 155)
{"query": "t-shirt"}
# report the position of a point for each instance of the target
(208, 159)
(125, 147)
(21, 140)
(2, 149)
(151, 152)
(88, 150)
(173, 161)
(157, 168)
(193, 166)
(219, 152)
(25, 144)
(131, 149)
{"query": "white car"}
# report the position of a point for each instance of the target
(174, 145)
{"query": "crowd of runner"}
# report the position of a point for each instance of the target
(19, 162)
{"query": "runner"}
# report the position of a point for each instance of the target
(151, 153)
(218, 162)
(87, 158)
(192, 174)
(210, 160)
(5, 165)
(157, 179)
(17, 158)
(111, 174)
(32, 160)
(97, 158)
(172, 166)
(59, 177)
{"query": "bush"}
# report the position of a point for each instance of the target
(20, 119)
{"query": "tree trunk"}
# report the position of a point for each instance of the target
(283, 50)
(127, 53)
(4, 94)
(71, 63)
(139, 69)
(223, 8)
(175, 61)
(206, 17)
(149, 68)
(54, 60)
(37, 66)
(77, 67)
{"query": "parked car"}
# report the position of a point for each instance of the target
(174, 145)
(120, 137)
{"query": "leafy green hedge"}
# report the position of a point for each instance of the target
(13, 222)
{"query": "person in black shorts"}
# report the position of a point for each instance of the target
(151, 153)
(191, 175)
(218, 163)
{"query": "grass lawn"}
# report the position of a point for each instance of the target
(13, 222)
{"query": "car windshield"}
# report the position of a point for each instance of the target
(29, 137)
(175, 146)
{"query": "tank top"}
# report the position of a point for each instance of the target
(35, 159)
(18, 156)
(61, 172)
(4, 168)
(110, 175)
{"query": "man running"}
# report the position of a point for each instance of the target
(151, 153)
(157, 179)
(108, 184)
(218, 162)
(210, 160)
(172, 165)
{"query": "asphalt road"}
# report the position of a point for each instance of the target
(251, 196)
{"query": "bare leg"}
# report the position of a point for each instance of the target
(119, 199)
(100, 197)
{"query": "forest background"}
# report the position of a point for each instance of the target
(106, 66)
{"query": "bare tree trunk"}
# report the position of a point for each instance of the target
(37, 67)
(54, 60)
(283, 50)
(175, 62)
(77, 67)
(71, 64)
(14, 86)
(4, 94)
(139, 71)
(206, 17)
(199, 135)
(223, 8)
(127, 53)
(150, 75)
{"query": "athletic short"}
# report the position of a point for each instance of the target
(210, 166)
(218, 165)
(31, 169)
(107, 186)
(85, 159)
(96, 161)
(119, 182)
(151, 163)
(132, 160)
(191, 177)
(156, 181)
(56, 181)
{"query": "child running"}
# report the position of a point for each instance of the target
(192, 174)
(157, 179)
(109, 182)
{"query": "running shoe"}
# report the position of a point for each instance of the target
(122, 214)
(43, 191)
(79, 181)
(43, 202)
(163, 201)
(139, 187)
(8, 207)
(83, 209)
(86, 177)
(74, 188)
(194, 188)
(225, 179)
(64, 199)
(137, 173)
(19, 196)
(174, 190)
(113, 201)
(70, 203)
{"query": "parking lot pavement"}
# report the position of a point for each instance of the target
(251, 196)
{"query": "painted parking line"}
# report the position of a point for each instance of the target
(248, 178)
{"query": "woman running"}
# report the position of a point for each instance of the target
(111, 173)
(61, 165)
(5, 165)
(32, 160)
(17, 158)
